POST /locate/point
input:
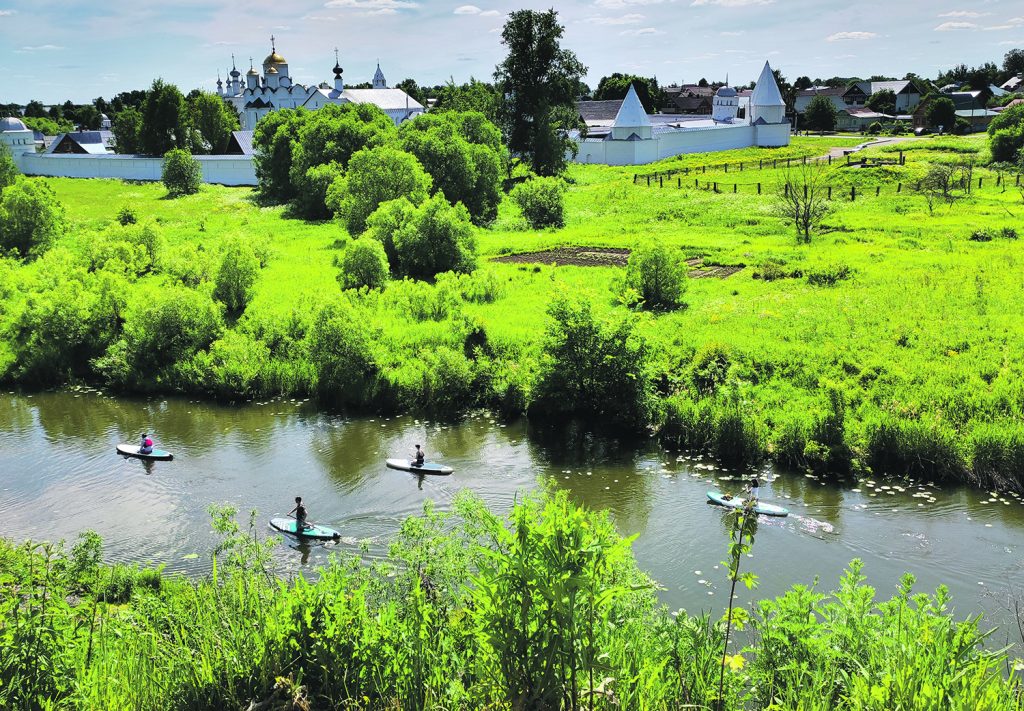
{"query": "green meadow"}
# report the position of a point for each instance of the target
(891, 341)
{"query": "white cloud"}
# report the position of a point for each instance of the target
(631, 19)
(840, 36)
(490, 13)
(467, 10)
(731, 3)
(1015, 21)
(8, 13)
(731, 34)
(642, 32)
(41, 48)
(1000, 27)
(964, 13)
(615, 4)
(950, 26)
(379, 7)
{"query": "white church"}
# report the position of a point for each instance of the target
(635, 137)
(275, 90)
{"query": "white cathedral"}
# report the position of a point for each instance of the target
(275, 90)
(635, 137)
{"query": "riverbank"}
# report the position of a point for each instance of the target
(453, 618)
(887, 345)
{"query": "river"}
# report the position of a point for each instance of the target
(59, 475)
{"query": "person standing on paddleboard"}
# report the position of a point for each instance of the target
(754, 488)
(300, 514)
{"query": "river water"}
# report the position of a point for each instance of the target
(59, 475)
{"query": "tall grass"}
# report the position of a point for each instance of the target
(542, 609)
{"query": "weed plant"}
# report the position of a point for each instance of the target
(542, 609)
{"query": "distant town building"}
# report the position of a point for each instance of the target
(274, 90)
(622, 133)
(855, 96)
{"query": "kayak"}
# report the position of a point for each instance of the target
(736, 502)
(132, 450)
(405, 465)
(318, 533)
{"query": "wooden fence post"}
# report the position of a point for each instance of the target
(661, 182)
(679, 182)
(759, 188)
(734, 188)
(829, 192)
(696, 182)
(648, 181)
(785, 190)
(830, 159)
(878, 190)
(634, 178)
(899, 187)
(979, 182)
(726, 167)
(853, 193)
(805, 192)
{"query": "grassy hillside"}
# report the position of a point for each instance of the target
(892, 340)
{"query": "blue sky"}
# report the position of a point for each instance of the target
(52, 50)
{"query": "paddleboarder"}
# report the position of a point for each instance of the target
(146, 446)
(418, 457)
(754, 488)
(300, 514)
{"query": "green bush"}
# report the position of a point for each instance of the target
(375, 176)
(312, 189)
(236, 277)
(1007, 143)
(181, 173)
(8, 170)
(542, 202)
(126, 216)
(593, 370)
(31, 218)
(340, 348)
(364, 264)
(655, 275)
(829, 274)
(427, 240)
(234, 366)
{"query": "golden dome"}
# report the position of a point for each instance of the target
(274, 58)
(252, 73)
(271, 70)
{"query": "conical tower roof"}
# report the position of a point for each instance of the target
(631, 113)
(766, 91)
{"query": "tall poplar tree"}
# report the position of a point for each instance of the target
(164, 120)
(537, 82)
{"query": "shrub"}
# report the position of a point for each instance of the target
(597, 371)
(233, 365)
(829, 275)
(657, 274)
(126, 216)
(181, 174)
(376, 176)
(8, 170)
(542, 202)
(1007, 143)
(31, 218)
(364, 264)
(710, 367)
(875, 128)
(236, 277)
(312, 189)
(424, 241)
(913, 447)
(340, 347)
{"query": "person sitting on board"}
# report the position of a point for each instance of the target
(418, 458)
(146, 447)
(300, 515)
(754, 488)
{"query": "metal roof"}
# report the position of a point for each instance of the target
(766, 91)
(631, 113)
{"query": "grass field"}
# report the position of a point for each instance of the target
(918, 329)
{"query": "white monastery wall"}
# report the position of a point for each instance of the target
(222, 170)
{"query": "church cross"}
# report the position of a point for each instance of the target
(272, 47)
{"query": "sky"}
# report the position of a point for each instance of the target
(53, 50)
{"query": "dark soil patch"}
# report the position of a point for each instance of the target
(577, 256)
(610, 257)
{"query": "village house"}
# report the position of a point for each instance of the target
(855, 96)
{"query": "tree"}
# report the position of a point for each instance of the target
(8, 170)
(463, 154)
(938, 184)
(164, 120)
(542, 202)
(30, 217)
(802, 83)
(537, 80)
(364, 264)
(214, 121)
(374, 176)
(333, 134)
(87, 117)
(803, 198)
(239, 269)
(820, 114)
(883, 102)
(341, 350)
(410, 87)
(617, 86)
(474, 95)
(273, 142)
(940, 112)
(1013, 62)
(181, 174)
(127, 130)
(34, 109)
(655, 276)
(49, 127)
